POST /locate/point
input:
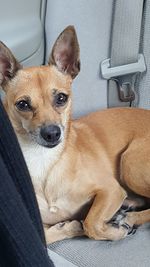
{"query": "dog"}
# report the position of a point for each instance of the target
(82, 170)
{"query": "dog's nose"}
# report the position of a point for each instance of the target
(51, 133)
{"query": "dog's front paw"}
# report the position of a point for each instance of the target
(63, 230)
(71, 228)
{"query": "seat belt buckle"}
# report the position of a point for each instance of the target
(126, 90)
(124, 76)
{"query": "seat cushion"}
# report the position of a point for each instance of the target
(133, 251)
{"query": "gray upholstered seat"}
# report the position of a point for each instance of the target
(82, 252)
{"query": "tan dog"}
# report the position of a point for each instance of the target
(88, 165)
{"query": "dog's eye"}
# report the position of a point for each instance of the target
(23, 105)
(60, 99)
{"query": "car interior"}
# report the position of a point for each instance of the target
(110, 29)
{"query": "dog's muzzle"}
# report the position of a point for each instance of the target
(51, 135)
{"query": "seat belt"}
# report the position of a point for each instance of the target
(125, 62)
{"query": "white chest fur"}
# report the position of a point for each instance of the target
(39, 159)
(50, 189)
(53, 188)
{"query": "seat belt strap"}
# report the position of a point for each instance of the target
(125, 61)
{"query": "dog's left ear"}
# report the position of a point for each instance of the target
(8, 65)
(65, 53)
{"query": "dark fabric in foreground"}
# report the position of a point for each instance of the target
(22, 241)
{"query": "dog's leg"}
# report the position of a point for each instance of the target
(137, 217)
(105, 205)
(135, 169)
(63, 230)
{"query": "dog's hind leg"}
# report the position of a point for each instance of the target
(135, 174)
(131, 220)
(137, 217)
(135, 167)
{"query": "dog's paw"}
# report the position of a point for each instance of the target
(63, 230)
(118, 218)
(72, 228)
(122, 219)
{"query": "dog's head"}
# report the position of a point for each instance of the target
(38, 99)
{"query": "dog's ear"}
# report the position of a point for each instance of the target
(65, 53)
(8, 65)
